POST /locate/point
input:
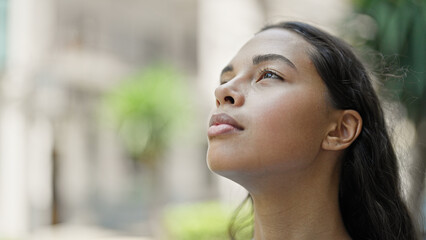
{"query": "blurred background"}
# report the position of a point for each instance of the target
(104, 107)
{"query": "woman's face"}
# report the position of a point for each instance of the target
(272, 112)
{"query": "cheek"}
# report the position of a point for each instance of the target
(288, 132)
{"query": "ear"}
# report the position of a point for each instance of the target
(344, 132)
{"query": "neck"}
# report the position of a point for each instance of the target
(302, 220)
(299, 208)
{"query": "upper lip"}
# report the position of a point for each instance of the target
(223, 118)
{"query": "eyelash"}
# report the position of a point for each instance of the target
(265, 71)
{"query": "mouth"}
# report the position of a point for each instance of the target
(221, 124)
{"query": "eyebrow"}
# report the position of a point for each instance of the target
(228, 68)
(272, 57)
(263, 58)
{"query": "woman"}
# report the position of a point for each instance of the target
(298, 124)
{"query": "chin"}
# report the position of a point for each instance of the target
(218, 162)
(227, 165)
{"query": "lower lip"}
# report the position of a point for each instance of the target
(221, 129)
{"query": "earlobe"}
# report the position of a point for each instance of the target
(344, 132)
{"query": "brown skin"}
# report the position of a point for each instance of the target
(288, 154)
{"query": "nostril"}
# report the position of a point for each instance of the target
(229, 99)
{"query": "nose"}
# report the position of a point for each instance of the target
(228, 93)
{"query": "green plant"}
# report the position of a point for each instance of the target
(200, 221)
(147, 109)
(401, 31)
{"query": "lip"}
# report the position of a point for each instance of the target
(221, 124)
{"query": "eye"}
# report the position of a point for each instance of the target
(222, 82)
(268, 74)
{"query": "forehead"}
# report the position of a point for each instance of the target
(278, 41)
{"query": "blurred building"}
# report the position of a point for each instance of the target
(58, 164)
